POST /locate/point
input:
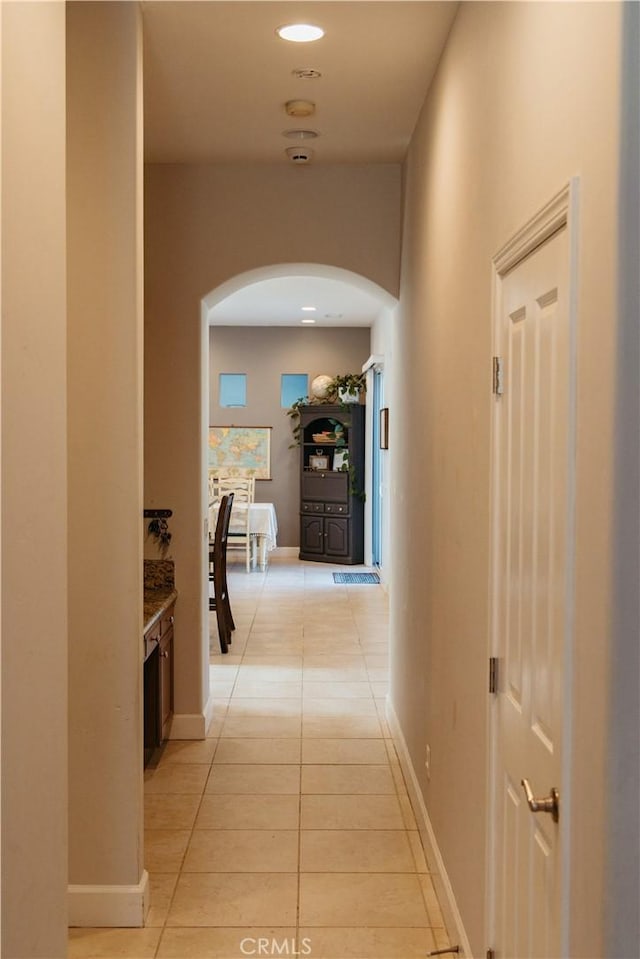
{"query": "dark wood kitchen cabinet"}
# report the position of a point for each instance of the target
(158, 681)
(332, 483)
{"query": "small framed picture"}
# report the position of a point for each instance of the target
(384, 428)
(340, 460)
(319, 462)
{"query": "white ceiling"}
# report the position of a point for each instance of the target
(279, 301)
(216, 78)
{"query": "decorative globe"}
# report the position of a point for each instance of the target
(320, 386)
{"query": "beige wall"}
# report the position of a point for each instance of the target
(104, 191)
(203, 226)
(623, 773)
(264, 354)
(34, 500)
(526, 96)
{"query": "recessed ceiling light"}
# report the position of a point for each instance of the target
(300, 32)
(310, 309)
(307, 321)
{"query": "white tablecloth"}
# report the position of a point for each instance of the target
(262, 523)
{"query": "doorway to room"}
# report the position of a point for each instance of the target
(256, 306)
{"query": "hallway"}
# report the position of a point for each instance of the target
(290, 823)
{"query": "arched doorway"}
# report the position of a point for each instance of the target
(272, 297)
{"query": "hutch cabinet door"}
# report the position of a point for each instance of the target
(312, 534)
(336, 536)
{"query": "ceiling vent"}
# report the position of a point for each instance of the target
(300, 134)
(300, 154)
(307, 74)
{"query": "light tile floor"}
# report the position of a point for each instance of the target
(288, 831)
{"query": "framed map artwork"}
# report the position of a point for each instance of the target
(241, 450)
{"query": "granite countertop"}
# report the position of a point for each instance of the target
(159, 589)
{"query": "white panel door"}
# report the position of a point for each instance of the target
(531, 586)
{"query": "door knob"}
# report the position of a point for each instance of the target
(550, 804)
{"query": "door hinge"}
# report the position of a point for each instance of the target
(498, 379)
(493, 674)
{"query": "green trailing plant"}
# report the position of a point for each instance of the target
(354, 489)
(294, 414)
(351, 383)
(346, 467)
(338, 433)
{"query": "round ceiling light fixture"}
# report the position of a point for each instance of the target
(300, 32)
(299, 108)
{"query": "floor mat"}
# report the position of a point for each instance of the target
(351, 578)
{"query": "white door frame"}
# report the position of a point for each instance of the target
(561, 210)
(375, 362)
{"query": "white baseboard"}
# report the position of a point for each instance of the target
(109, 906)
(444, 890)
(286, 551)
(209, 708)
(190, 725)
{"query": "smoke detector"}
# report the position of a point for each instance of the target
(300, 108)
(299, 154)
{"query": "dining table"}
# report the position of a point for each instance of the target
(263, 525)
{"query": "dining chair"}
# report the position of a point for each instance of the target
(219, 601)
(243, 488)
(213, 486)
(231, 481)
